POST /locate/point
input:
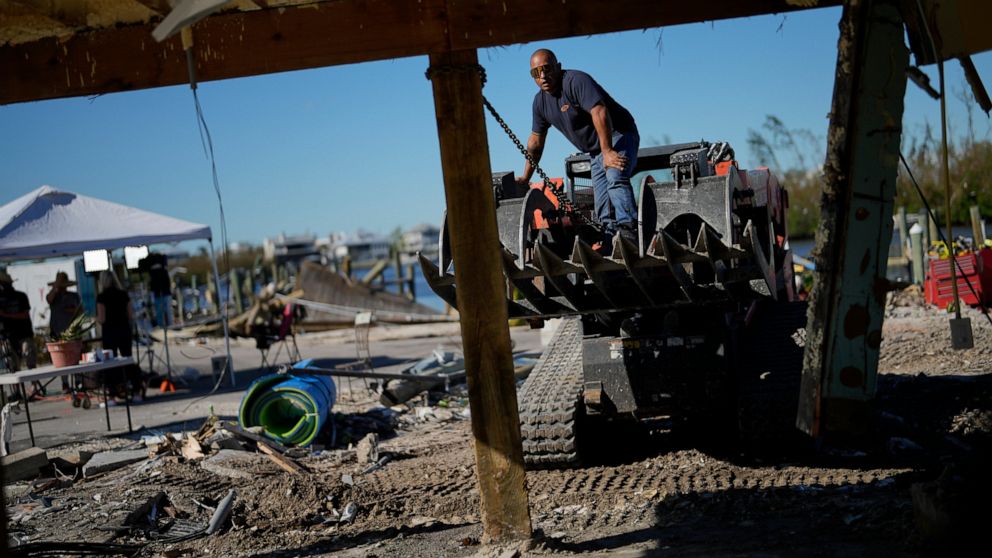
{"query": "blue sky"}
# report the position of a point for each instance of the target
(347, 147)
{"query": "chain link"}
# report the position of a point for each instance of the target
(564, 203)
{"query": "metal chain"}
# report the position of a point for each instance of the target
(563, 202)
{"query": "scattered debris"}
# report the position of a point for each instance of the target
(287, 463)
(222, 512)
(191, 448)
(252, 437)
(146, 515)
(378, 464)
(349, 513)
(440, 368)
(425, 476)
(368, 449)
(234, 464)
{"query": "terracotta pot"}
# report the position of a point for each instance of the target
(65, 353)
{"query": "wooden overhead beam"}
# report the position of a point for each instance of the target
(158, 6)
(69, 12)
(957, 27)
(237, 44)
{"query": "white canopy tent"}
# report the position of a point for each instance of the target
(49, 223)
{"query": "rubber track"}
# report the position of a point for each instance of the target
(769, 385)
(549, 401)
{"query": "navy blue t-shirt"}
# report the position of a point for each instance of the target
(568, 112)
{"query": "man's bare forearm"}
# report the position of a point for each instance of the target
(535, 146)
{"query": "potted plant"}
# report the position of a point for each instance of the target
(66, 347)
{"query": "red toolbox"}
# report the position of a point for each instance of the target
(977, 268)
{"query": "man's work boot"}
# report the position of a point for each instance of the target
(628, 231)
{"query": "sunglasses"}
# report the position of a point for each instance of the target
(544, 69)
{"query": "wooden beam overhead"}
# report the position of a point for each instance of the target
(69, 12)
(237, 44)
(162, 7)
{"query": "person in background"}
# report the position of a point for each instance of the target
(115, 314)
(15, 318)
(160, 285)
(63, 306)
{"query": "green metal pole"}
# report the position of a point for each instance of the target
(977, 227)
(902, 226)
(946, 176)
(917, 253)
(235, 288)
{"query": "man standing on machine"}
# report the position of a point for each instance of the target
(572, 102)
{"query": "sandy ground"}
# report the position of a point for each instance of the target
(645, 493)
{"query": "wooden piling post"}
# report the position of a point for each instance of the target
(461, 130)
(932, 229)
(410, 281)
(903, 227)
(180, 300)
(400, 286)
(213, 300)
(346, 266)
(847, 307)
(193, 284)
(919, 254)
(977, 226)
(234, 285)
(250, 286)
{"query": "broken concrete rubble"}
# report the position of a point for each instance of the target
(110, 460)
(367, 450)
(24, 464)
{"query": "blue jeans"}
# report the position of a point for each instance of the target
(163, 309)
(612, 193)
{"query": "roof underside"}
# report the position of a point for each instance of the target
(64, 48)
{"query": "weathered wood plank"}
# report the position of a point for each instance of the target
(485, 332)
(70, 12)
(236, 44)
(159, 6)
(498, 22)
(226, 45)
(287, 464)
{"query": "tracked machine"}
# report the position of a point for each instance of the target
(696, 321)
